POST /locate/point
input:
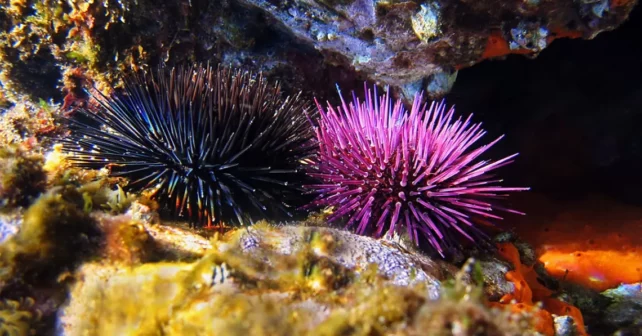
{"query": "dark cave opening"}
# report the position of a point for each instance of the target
(574, 114)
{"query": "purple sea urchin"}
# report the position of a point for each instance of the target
(385, 170)
(218, 146)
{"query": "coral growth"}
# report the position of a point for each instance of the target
(48, 44)
(38, 35)
(390, 171)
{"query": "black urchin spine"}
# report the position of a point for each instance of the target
(219, 146)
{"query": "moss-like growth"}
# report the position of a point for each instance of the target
(54, 236)
(46, 43)
(22, 177)
(17, 318)
(232, 314)
(470, 318)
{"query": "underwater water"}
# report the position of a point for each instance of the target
(249, 167)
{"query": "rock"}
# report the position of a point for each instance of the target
(495, 283)
(9, 225)
(402, 267)
(565, 326)
(624, 310)
(283, 280)
(399, 43)
(309, 45)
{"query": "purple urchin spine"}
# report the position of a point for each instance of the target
(384, 169)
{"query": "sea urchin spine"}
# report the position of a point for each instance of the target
(384, 170)
(218, 146)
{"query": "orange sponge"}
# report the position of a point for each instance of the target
(528, 290)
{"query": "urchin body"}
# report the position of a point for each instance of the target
(217, 145)
(387, 170)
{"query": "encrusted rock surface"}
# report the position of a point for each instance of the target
(139, 272)
(281, 280)
(625, 307)
(415, 44)
(310, 45)
(402, 267)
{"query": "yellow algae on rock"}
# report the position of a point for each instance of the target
(278, 280)
(55, 234)
(426, 22)
(123, 302)
(17, 318)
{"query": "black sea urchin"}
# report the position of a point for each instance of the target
(218, 145)
(387, 170)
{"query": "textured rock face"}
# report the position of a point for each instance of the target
(310, 45)
(402, 267)
(417, 44)
(328, 279)
(625, 306)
